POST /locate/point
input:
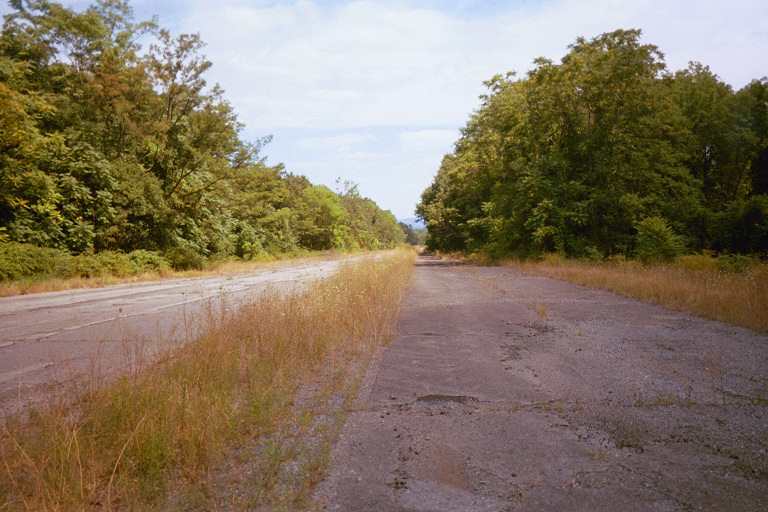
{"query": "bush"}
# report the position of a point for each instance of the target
(148, 261)
(592, 253)
(702, 262)
(184, 258)
(102, 264)
(552, 258)
(730, 263)
(19, 260)
(733, 263)
(656, 242)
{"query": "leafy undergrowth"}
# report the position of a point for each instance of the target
(25, 269)
(726, 289)
(242, 418)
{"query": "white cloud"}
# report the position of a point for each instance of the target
(372, 63)
(337, 143)
(358, 64)
(343, 64)
(428, 141)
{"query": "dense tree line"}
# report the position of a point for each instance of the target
(108, 144)
(607, 152)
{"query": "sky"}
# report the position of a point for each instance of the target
(375, 92)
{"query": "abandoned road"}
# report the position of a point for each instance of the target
(48, 338)
(504, 390)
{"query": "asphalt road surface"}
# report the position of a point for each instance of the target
(48, 338)
(510, 391)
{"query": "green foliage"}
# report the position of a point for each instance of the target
(742, 227)
(412, 236)
(706, 262)
(106, 145)
(320, 218)
(656, 241)
(733, 263)
(148, 261)
(184, 258)
(19, 261)
(370, 227)
(247, 243)
(23, 260)
(574, 156)
(102, 264)
(592, 253)
(700, 261)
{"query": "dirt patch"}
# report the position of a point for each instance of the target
(509, 391)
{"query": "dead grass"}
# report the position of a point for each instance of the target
(737, 297)
(247, 397)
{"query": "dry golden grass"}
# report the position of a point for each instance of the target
(247, 393)
(737, 297)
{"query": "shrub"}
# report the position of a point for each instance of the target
(552, 258)
(102, 264)
(701, 262)
(592, 253)
(184, 258)
(730, 263)
(733, 262)
(656, 241)
(19, 260)
(148, 261)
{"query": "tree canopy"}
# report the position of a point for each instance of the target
(106, 144)
(581, 156)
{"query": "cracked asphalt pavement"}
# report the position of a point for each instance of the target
(50, 338)
(510, 391)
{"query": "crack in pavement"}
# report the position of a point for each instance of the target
(480, 404)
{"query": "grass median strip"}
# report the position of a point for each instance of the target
(241, 418)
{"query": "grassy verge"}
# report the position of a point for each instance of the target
(692, 283)
(242, 418)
